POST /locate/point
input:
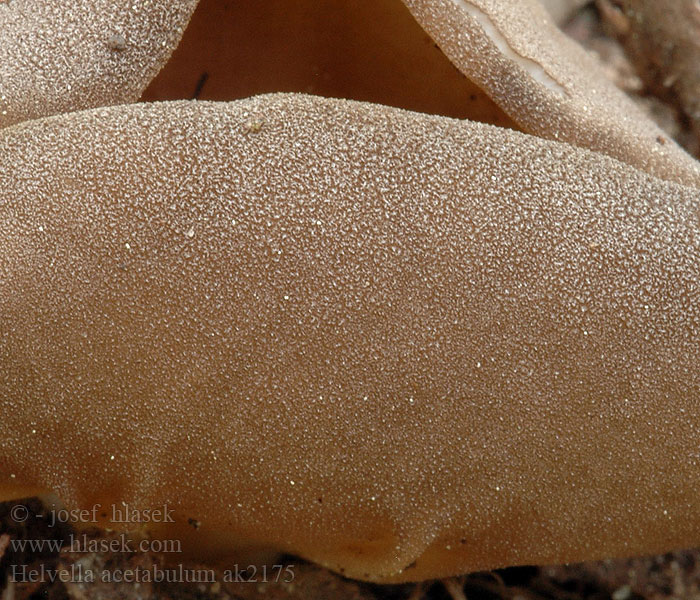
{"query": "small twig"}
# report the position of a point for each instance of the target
(455, 587)
(4, 543)
(9, 592)
(416, 592)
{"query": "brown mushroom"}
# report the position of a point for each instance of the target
(366, 336)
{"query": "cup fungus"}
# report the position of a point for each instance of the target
(400, 345)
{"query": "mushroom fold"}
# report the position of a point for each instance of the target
(547, 83)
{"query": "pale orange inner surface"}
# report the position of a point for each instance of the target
(372, 51)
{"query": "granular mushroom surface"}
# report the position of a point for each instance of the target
(64, 56)
(401, 346)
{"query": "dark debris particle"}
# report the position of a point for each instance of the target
(200, 85)
(116, 42)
